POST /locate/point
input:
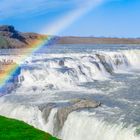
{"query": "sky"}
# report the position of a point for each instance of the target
(108, 18)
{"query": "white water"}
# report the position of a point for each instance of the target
(82, 126)
(47, 78)
(76, 68)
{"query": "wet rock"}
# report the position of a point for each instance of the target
(61, 63)
(73, 105)
(118, 62)
(46, 109)
(63, 110)
(108, 67)
(49, 86)
(96, 64)
(80, 69)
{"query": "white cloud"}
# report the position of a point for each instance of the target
(19, 8)
(23, 8)
(10, 8)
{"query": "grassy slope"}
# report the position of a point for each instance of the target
(11, 129)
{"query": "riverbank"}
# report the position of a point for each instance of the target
(11, 129)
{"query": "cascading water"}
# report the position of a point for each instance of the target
(50, 81)
(80, 126)
(76, 68)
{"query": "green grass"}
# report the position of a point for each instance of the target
(11, 129)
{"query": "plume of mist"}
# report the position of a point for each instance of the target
(66, 20)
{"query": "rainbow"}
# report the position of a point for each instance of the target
(62, 23)
(9, 71)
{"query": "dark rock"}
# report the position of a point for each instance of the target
(63, 110)
(61, 63)
(108, 67)
(9, 31)
(46, 110)
(7, 28)
(16, 39)
(73, 105)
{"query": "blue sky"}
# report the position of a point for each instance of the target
(110, 18)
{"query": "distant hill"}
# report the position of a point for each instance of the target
(97, 40)
(11, 38)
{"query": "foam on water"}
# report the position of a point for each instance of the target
(29, 114)
(71, 70)
(81, 126)
(106, 76)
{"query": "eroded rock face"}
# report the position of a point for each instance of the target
(7, 28)
(64, 110)
(13, 38)
(9, 31)
(74, 105)
(108, 67)
(46, 109)
(16, 39)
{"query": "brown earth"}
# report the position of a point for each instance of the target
(96, 40)
(11, 38)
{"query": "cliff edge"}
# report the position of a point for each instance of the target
(11, 38)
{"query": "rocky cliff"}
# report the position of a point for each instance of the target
(11, 38)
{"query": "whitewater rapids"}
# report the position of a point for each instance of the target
(109, 76)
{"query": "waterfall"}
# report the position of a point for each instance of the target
(75, 69)
(82, 126)
(46, 79)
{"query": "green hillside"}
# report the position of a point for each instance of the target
(11, 129)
